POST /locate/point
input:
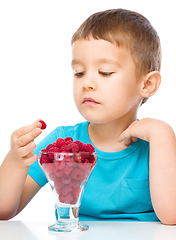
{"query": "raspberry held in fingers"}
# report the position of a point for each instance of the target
(43, 124)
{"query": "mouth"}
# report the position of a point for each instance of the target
(89, 101)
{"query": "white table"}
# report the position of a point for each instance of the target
(35, 230)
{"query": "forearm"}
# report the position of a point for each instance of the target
(12, 179)
(162, 172)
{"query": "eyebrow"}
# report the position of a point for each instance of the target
(107, 60)
(102, 60)
(74, 62)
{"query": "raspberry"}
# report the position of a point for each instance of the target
(43, 124)
(61, 198)
(72, 147)
(89, 148)
(91, 158)
(84, 165)
(68, 198)
(44, 159)
(74, 183)
(67, 170)
(68, 142)
(44, 150)
(59, 191)
(50, 146)
(50, 168)
(66, 189)
(58, 172)
(75, 148)
(52, 176)
(59, 164)
(80, 145)
(73, 201)
(58, 184)
(63, 148)
(51, 152)
(68, 148)
(60, 142)
(76, 173)
(70, 162)
(76, 192)
(79, 157)
(53, 149)
(68, 139)
(85, 155)
(66, 179)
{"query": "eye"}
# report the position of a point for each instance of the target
(79, 74)
(106, 74)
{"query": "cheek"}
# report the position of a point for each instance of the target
(120, 96)
(76, 94)
(75, 97)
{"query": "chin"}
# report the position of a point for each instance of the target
(91, 119)
(94, 119)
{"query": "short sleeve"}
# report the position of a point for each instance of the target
(34, 170)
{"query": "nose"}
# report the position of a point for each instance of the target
(89, 82)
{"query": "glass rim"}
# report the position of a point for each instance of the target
(67, 153)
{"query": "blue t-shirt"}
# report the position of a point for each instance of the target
(118, 187)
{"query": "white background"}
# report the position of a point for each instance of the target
(36, 77)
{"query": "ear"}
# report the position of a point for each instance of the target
(150, 84)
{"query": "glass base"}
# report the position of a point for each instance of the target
(68, 227)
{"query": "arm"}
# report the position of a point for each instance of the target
(16, 187)
(162, 168)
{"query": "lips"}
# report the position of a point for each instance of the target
(90, 101)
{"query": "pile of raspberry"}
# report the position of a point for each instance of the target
(67, 171)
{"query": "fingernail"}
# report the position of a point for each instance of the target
(39, 124)
(38, 131)
(34, 157)
(31, 145)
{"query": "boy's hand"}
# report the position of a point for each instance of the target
(142, 129)
(22, 144)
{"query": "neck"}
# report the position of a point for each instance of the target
(104, 136)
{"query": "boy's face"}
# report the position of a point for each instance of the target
(105, 84)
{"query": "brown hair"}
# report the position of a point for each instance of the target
(127, 29)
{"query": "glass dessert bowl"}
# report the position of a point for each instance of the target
(67, 174)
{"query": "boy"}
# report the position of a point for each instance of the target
(116, 62)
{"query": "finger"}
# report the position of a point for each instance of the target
(29, 137)
(28, 160)
(134, 139)
(124, 135)
(22, 131)
(25, 151)
(128, 141)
